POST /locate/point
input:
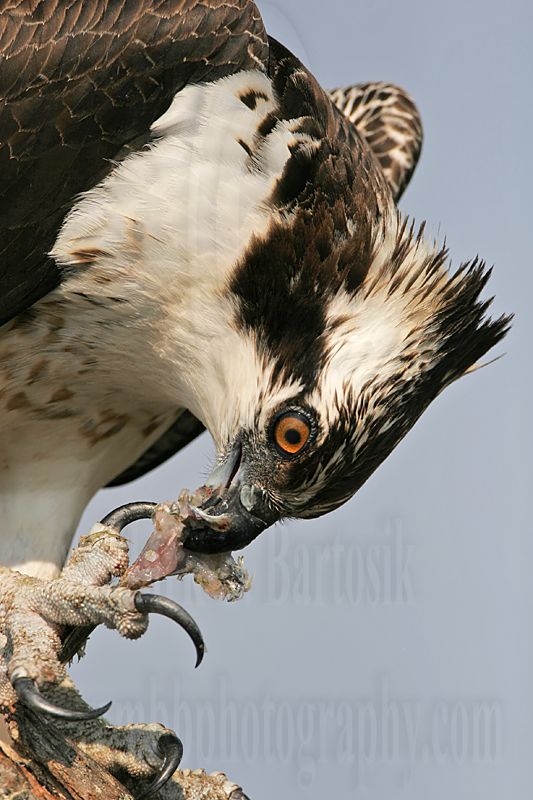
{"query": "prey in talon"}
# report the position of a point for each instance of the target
(166, 552)
(197, 236)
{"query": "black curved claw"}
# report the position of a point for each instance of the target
(171, 750)
(156, 604)
(29, 694)
(125, 515)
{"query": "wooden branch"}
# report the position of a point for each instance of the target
(43, 765)
(17, 785)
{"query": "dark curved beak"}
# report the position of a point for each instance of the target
(236, 512)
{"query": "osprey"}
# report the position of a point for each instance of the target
(194, 234)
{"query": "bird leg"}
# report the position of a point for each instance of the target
(33, 616)
(33, 612)
(45, 622)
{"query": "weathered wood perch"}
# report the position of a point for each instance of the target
(45, 766)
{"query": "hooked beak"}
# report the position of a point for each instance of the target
(235, 513)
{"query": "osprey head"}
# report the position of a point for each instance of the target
(346, 324)
(353, 329)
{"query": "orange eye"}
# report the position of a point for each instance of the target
(292, 432)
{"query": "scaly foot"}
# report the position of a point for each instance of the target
(34, 615)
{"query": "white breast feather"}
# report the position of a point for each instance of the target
(168, 226)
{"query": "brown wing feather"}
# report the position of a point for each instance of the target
(79, 80)
(389, 121)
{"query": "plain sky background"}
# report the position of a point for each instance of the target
(385, 651)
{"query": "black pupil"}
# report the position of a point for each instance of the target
(292, 436)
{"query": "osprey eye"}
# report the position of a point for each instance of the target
(291, 432)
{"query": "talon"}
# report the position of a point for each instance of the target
(29, 694)
(125, 515)
(156, 604)
(171, 750)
